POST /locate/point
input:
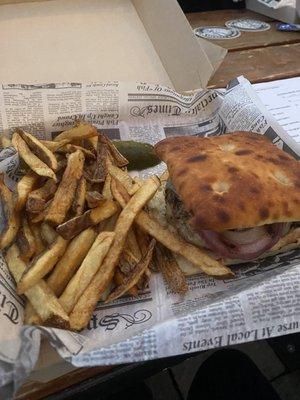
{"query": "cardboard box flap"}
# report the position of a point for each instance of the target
(190, 62)
(100, 40)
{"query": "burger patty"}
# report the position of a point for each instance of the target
(179, 217)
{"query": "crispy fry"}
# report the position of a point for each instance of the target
(10, 220)
(94, 199)
(64, 195)
(85, 305)
(48, 233)
(143, 241)
(132, 244)
(93, 141)
(134, 276)
(38, 198)
(86, 271)
(116, 192)
(92, 217)
(117, 157)
(79, 199)
(26, 241)
(122, 176)
(24, 187)
(134, 188)
(71, 148)
(127, 261)
(62, 164)
(119, 278)
(101, 165)
(174, 243)
(82, 131)
(39, 149)
(40, 296)
(71, 260)
(39, 244)
(38, 166)
(172, 273)
(42, 265)
(30, 315)
(106, 192)
(36, 218)
(54, 146)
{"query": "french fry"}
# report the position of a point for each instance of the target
(24, 187)
(123, 177)
(119, 279)
(86, 271)
(38, 198)
(116, 192)
(39, 244)
(40, 296)
(117, 157)
(71, 260)
(64, 195)
(39, 217)
(39, 149)
(42, 265)
(132, 244)
(71, 148)
(93, 142)
(79, 199)
(10, 217)
(164, 176)
(82, 131)
(30, 315)
(94, 199)
(106, 192)
(92, 217)
(172, 273)
(48, 233)
(127, 261)
(134, 276)
(38, 166)
(61, 165)
(143, 241)
(26, 241)
(86, 303)
(54, 146)
(174, 243)
(134, 188)
(100, 171)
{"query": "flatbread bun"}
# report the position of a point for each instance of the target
(234, 181)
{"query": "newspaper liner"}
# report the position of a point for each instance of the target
(263, 299)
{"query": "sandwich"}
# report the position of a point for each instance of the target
(237, 195)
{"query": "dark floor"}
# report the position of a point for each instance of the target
(173, 384)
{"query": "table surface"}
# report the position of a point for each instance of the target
(260, 57)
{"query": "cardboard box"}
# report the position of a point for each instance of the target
(286, 13)
(100, 40)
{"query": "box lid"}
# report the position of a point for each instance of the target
(99, 40)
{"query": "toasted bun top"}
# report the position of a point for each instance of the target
(239, 180)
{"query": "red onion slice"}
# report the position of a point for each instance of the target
(219, 244)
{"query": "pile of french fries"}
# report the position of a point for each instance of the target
(76, 230)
